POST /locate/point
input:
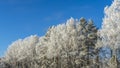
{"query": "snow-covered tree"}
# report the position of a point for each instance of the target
(111, 28)
(87, 38)
(22, 48)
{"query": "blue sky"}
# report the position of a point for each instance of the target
(22, 18)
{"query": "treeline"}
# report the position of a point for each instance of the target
(70, 45)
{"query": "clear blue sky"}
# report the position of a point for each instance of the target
(22, 18)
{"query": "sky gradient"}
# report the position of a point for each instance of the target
(22, 18)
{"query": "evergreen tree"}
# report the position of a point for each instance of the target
(88, 40)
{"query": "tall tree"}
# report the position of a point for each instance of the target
(88, 39)
(111, 27)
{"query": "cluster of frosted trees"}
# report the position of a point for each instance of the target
(69, 45)
(74, 44)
